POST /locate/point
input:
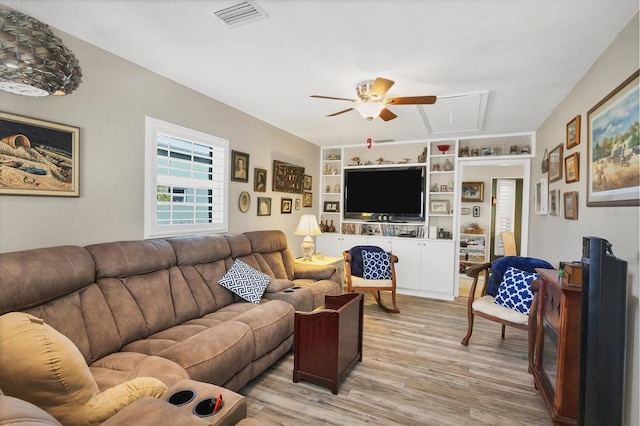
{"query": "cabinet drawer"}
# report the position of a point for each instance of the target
(552, 306)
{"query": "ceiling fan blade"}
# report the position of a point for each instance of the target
(387, 115)
(381, 86)
(340, 112)
(331, 97)
(411, 100)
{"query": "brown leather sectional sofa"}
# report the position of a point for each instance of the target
(155, 308)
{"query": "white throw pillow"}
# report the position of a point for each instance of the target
(245, 281)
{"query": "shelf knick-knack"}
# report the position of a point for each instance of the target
(448, 165)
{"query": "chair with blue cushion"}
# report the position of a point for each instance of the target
(371, 269)
(506, 296)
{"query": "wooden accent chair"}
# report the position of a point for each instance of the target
(381, 273)
(485, 306)
(509, 243)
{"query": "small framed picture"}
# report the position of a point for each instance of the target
(307, 183)
(572, 168)
(244, 201)
(264, 206)
(444, 188)
(307, 199)
(285, 205)
(571, 205)
(260, 180)
(465, 211)
(472, 192)
(331, 206)
(541, 197)
(297, 203)
(476, 211)
(239, 166)
(555, 164)
(439, 207)
(554, 202)
(573, 132)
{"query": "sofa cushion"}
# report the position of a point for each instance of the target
(42, 366)
(514, 291)
(245, 281)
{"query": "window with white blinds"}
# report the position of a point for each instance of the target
(186, 187)
(505, 211)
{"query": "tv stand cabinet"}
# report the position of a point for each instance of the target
(556, 353)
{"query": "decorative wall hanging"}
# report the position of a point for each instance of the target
(239, 166)
(307, 199)
(307, 183)
(573, 132)
(572, 168)
(33, 60)
(555, 164)
(541, 197)
(613, 147)
(545, 161)
(287, 177)
(554, 202)
(260, 180)
(38, 157)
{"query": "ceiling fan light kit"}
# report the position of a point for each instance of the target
(33, 60)
(372, 103)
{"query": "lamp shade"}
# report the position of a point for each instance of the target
(370, 110)
(308, 226)
(33, 60)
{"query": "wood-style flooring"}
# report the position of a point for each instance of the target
(414, 372)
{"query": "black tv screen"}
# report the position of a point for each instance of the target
(384, 194)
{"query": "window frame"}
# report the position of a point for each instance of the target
(154, 127)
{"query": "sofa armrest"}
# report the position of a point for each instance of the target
(315, 272)
(154, 411)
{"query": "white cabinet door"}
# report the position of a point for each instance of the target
(438, 268)
(409, 266)
(383, 242)
(349, 241)
(329, 244)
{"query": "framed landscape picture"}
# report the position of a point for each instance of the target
(613, 147)
(38, 157)
(472, 192)
(572, 168)
(571, 205)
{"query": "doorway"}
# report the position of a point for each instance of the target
(506, 213)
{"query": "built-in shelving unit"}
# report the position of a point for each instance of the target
(436, 241)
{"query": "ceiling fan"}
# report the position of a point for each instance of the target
(372, 103)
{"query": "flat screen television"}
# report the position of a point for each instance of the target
(385, 194)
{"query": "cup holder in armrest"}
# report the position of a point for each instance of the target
(181, 397)
(208, 407)
(295, 287)
(287, 291)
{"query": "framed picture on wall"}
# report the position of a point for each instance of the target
(472, 192)
(264, 206)
(38, 157)
(572, 168)
(555, 164)
(287, 177)
(612, 172)
(239, 166)
(541, 196)
(285, 205)
(571, 205)
(554, 202)
(573, 132)
(307, 199)
(260, 180)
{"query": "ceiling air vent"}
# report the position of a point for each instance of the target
(237, 13)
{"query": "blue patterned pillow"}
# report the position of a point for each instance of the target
(245, 281)
(515, 290)
(377, 265)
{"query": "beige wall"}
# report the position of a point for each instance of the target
(110, 107)
(557, 239)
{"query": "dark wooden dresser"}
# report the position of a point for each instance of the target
(556, 355)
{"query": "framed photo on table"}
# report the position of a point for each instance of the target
(612, 172)
(50, 159)
(439, 207)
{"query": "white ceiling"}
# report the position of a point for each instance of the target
(521, 56)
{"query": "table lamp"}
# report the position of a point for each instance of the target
(308, 226)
